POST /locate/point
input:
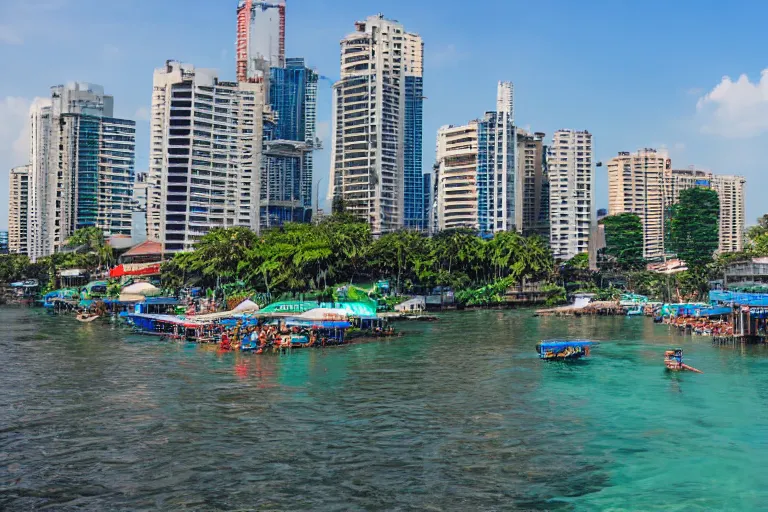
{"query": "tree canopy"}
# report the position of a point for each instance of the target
(340, 249)
(624, 241)
(694, 227)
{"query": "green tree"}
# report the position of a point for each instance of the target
(694, 228)
(624, 242)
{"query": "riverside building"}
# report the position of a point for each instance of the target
(369, 124)
(205, 155)
(569, 163)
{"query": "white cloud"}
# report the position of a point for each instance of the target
(141, 114)
(735, 109)
(9, 36)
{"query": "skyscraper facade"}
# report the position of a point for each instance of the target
(260, 43)
(569, 163)
(532, 185)
(456, 177)
(413, 183)
(368, 118)
(496, 173)
(205, 155)
(81, 167)
(289, 139)
(730, 191)
(477, 171)
(18, 210)
(636, 185)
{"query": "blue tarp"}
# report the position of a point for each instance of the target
(552, 345)
(738, 298)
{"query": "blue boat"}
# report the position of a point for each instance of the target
(564, 349)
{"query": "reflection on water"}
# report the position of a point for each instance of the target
(457, 415)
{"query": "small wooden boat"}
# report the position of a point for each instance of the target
(86, 318)
(563, 350)
(673, 361)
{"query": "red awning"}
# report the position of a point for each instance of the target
(135, 269)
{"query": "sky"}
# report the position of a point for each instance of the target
(688, 77)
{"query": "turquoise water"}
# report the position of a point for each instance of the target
(458, 414)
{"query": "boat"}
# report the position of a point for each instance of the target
(173, 327)
(86, 317)
(638, 310)
(563, 350)
(673, 361)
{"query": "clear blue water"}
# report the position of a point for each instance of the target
(458, 414)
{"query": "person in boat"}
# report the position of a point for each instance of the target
(225, 343)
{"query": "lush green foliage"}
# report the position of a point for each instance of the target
(694, 227)
(302, 257)
(624, 242)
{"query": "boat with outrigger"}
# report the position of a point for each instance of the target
(673, 361)
(564, 350)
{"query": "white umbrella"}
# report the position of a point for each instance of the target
(143, 288)
(245, 306)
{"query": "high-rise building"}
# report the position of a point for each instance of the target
(505, 99)
(569, 163)
(369, 110)
(289, 140)
(456, 177)
(205, 155)
(636, 185)
(260, 43)
(140, 185)
(730, 191)
(496, 172)
(413, 183)
(18, 210)
(476, 174)
(428, 199)
(3, 242)
(81, 167)
(532, 185)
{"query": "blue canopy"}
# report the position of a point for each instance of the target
(738, 298)
(322, 324)
(555, 344)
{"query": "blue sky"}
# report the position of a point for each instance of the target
(635, 74)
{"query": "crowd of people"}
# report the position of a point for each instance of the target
(702, 326)
(259, 338)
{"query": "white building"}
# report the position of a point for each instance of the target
(205, 155)
(18, 210)
(636, 185)
(730, 191)
(476, 174)
(368, 119)
(505, 99)
(457, 177)
(571, 179)
(81, 167)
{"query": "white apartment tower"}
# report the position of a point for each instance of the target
(570, 168)
(505, 99)
(476, 171)
(636, 185)
(18, 210)
(81, 167)
(367, 154)
(730, 191)
(457, 177)
(205, 155)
